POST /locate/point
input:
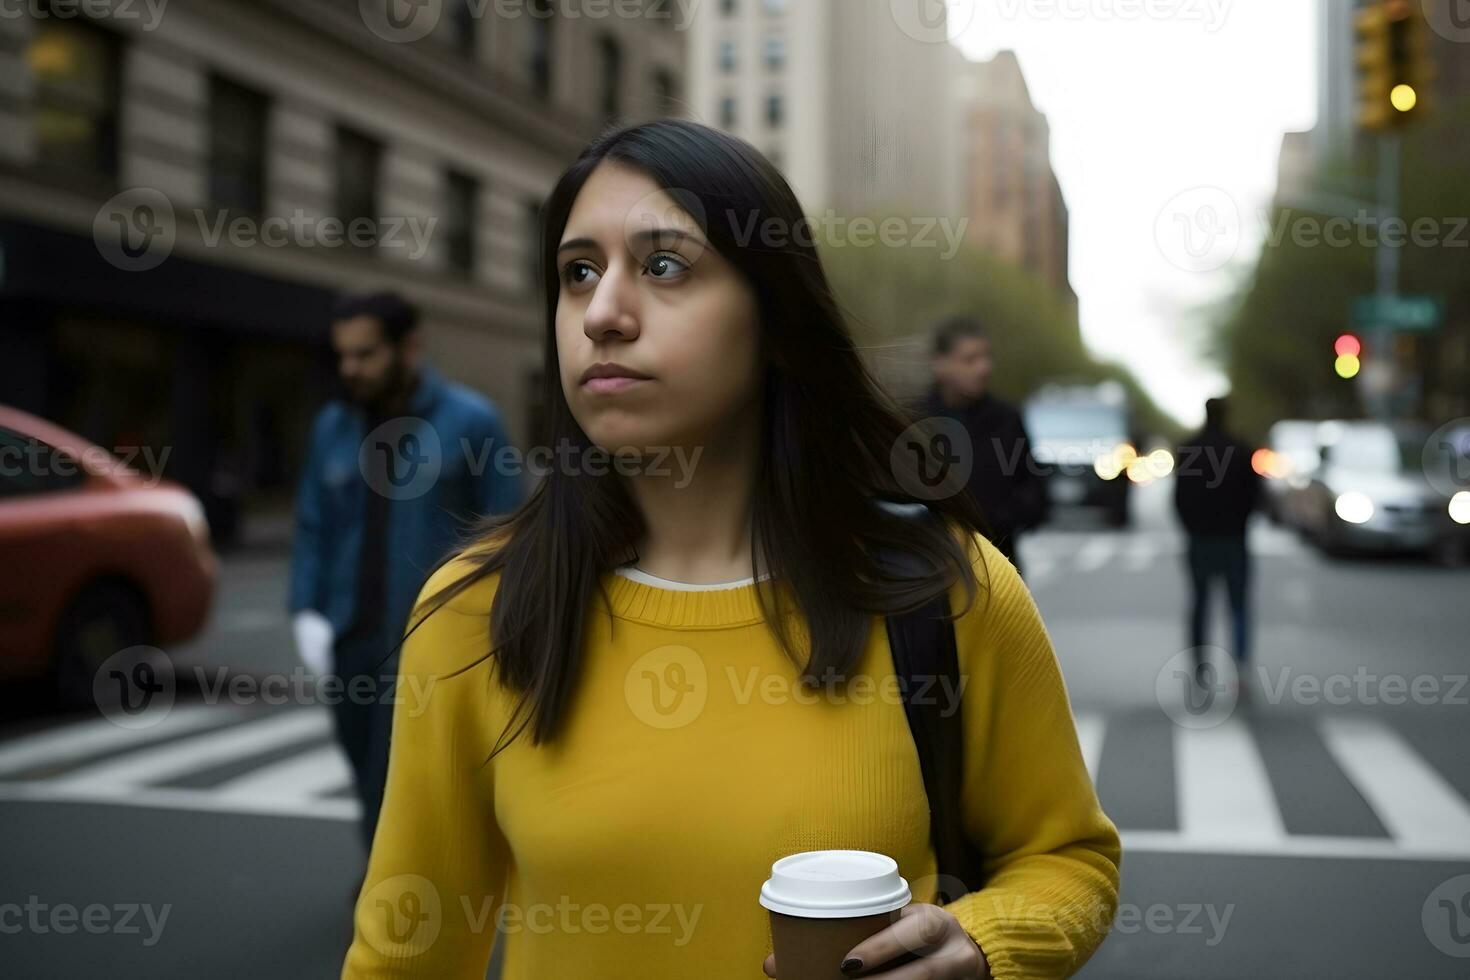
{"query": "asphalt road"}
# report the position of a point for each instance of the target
(1319, 830)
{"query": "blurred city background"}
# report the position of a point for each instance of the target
(1146, 205)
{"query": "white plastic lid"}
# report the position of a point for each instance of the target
(835, 885)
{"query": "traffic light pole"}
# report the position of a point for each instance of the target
(1390, 156)
(1390, 150)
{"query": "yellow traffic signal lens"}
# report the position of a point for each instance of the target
(1404, 98)
(1348, 366)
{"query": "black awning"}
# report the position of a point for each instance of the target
(63, 269)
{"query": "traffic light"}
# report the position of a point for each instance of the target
(1394, 66)
(1349, 351)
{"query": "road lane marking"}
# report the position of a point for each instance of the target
(1096, 552)
(1140, 554)
(1291, 846)
(175, 798)
(1413, 801)
(1224, 792)
(78, 741)
(1037, 568)
(1274, 541)
(309, 775)
(349, 810)
(1091, 729)
(151, 766)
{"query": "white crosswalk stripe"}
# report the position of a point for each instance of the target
(1141, 554)
(1223, 790)
(1048, 554)
(1040, 567)
(1414, 802)
(1096, 553)
(319, 772)
(1090, 731)
(79, 741)
(133, 767)
(118, 776)
(1224, 802)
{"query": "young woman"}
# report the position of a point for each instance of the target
(669, 668)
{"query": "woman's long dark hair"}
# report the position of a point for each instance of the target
(829, 435)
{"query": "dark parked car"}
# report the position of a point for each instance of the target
(1378, 490)
(1081, 439)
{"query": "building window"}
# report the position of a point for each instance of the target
(464, 27)
(77, 70)
(237, 141)
(727, 112)
(461, 220)
(533, 244)
(610, 61)
(665, 91)
(727, 56)
(538, 49)
(775, 53)
(359, 159)
(775, 111)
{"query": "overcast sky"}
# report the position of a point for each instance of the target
(1165, 136)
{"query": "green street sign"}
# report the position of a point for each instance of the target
(1419, 314)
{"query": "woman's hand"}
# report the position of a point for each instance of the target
(944, 950)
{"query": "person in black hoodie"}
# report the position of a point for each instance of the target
(1003, 478)
(1215, 491)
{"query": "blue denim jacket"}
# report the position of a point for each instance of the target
(442, 473)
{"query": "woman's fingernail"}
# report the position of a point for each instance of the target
(852, 966)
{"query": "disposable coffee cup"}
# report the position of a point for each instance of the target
(823, 903)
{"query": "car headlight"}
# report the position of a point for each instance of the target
(1354, 507)
(1111, 465)
(1460, 507)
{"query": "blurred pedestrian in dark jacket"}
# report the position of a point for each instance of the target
(1003, 478)
(394, 473)
(1215, 491)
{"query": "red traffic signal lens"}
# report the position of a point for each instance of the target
(1348, 346)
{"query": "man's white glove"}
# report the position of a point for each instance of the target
(314, 638)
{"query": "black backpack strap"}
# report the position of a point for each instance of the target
(926, 664)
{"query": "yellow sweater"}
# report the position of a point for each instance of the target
(636, 844)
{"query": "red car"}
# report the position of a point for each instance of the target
(95, 556)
